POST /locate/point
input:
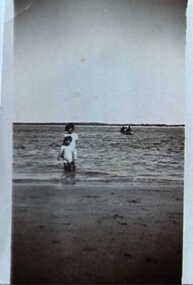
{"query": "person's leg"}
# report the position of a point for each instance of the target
(74, 157)
(69, 166)
(66, 166)
(73, 166)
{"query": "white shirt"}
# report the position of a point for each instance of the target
(67, 152)
(74, 137)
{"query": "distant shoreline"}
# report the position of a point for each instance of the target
(100, 124)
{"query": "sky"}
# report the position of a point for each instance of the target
(100, 61)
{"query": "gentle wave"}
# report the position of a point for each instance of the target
(151, 155)
(140, 180)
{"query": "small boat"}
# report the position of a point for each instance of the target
(126, 130)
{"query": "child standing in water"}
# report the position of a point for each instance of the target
(66, 153)
(69, 129)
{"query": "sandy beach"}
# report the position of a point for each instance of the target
(97, 234)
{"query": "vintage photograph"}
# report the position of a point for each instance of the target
(98, 152)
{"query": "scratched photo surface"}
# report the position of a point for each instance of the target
(114, 212)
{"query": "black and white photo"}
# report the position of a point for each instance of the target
(98, 153)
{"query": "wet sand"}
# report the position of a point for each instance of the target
(97, 234)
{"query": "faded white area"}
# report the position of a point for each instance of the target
(5, 144)
(188, 192)
(9, 8)
(2, 13)
(106, 61)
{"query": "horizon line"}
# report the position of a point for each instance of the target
(96, 123)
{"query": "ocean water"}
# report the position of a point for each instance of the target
(151, 155)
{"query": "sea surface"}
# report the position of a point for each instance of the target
(151, 155)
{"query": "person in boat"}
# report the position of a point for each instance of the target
(70, 131)
(66, 153)
(126, 130)
(122, 129)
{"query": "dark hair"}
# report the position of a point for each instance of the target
(69, 126)
(67, 140)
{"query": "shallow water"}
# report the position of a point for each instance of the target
(151, 155)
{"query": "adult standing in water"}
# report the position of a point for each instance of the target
(70, 131)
